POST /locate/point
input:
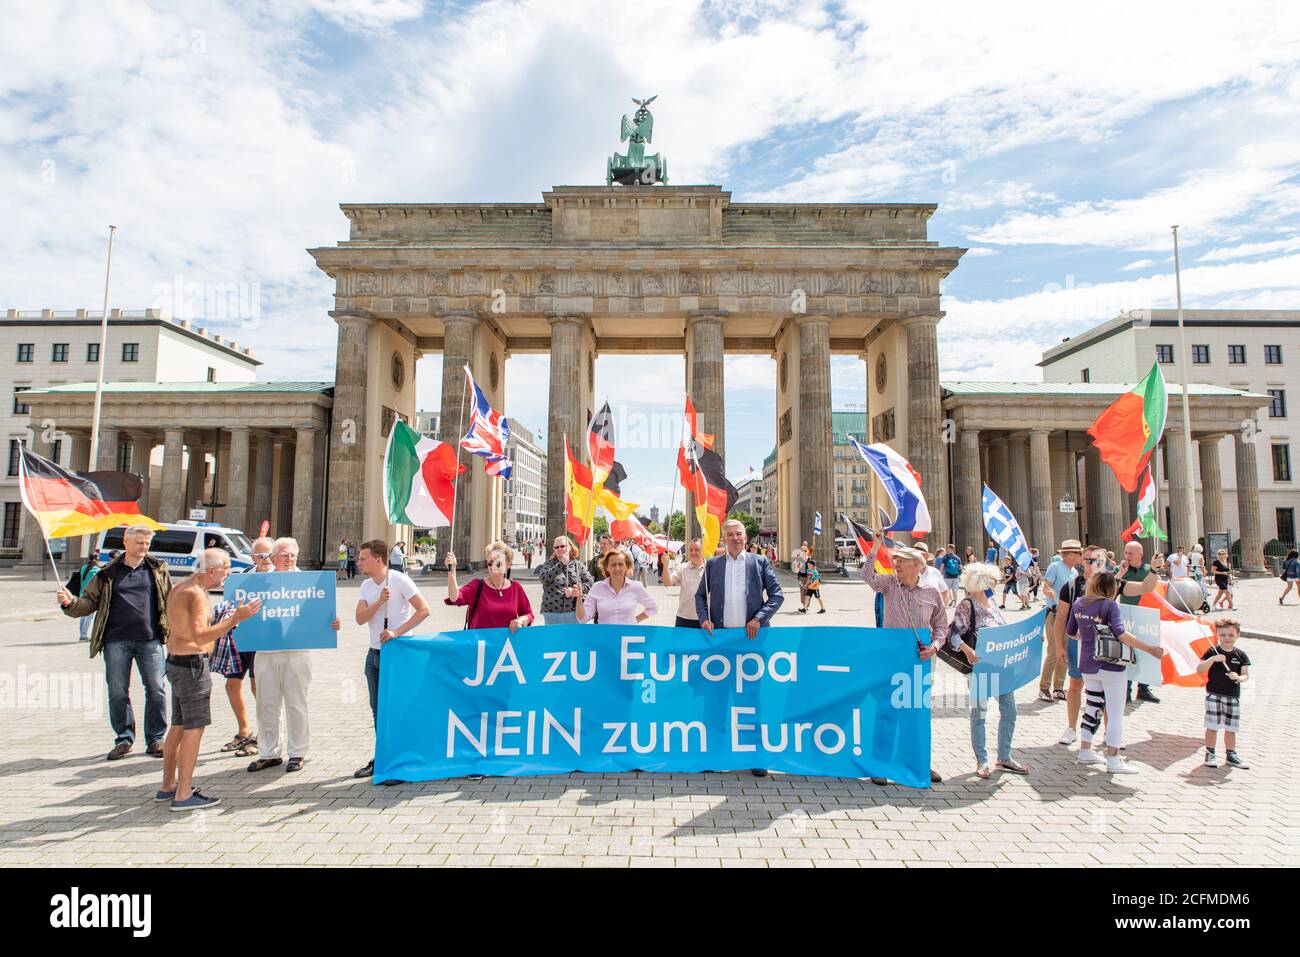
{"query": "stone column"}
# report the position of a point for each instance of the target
(997, 480)
(457, 352)
(966, 506)
(1252, 547)
(1179, 493)
(1040, 492)
(259, 509)
(348, 438)
(1092, 469)
(925, 449)
(1211, 485)
(1112, 510)
(283, 520)
(704, 384)
(304, 470)
(141, 451)
(106, 459)
(1017, 497)
(195, 479)
(173, 493)
(237, 479)
(816, 478)
(565, 415)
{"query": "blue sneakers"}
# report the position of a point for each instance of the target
(194, 802)
(161, 796)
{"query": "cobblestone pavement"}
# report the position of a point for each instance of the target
(61, 803)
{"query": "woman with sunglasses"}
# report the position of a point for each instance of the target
(564, 577)
(494, 601)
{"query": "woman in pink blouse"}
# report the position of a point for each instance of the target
(494, 601)
(616, 598)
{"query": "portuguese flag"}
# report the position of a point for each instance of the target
(1129, 430)
(79, 503)
(1145, 526)
(419, 478)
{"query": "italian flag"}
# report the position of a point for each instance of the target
(1145, 526)
(419, 479)
(1129, 430)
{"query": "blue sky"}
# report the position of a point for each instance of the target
(221, 138)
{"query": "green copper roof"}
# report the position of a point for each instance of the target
(844, 424)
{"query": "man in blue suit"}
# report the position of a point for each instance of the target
(738, 589)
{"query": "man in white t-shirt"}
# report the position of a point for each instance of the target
(392, 606)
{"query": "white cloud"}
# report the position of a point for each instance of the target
(1138, 264)
(1247, 250)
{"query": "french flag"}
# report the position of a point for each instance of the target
(488, 433)
(902, 484)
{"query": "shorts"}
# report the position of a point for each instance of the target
(951, 583)
(803, 584)
(1072, 658)
(1222, 713)
(191, 683)
(245, 659)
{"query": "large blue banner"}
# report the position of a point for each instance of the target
(297, 610)
(1010, 656)
(847, 702)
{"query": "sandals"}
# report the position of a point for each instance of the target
(261, 764)
(1045, 696)
(242, 745)
(295, 764)
(982, 771)
(1058, 694)
(1014, 766)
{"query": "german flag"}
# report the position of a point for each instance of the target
(600, 444)
(703, 474)
(578, 497)
(884, 564)
(79, 503)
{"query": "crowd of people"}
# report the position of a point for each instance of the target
(131, 613)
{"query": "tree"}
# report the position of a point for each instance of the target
(600, 526)
(676, 526)
(654, 528)
(750, 523)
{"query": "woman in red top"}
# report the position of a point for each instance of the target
(494, 601)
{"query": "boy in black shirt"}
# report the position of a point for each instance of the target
(1228, 667)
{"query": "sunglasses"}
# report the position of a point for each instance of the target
(262, 555)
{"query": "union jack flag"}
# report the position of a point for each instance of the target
(488, 433)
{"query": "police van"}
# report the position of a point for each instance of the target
(180, 544)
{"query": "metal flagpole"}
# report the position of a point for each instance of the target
(460, 431)
(99, 384)
(591, 464)
(1187, 415)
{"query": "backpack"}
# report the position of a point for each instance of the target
(952, 566)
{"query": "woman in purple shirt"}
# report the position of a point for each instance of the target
(616, 598)
(1104, 684)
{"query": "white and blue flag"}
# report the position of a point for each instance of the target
(902, 484)
(817, 523)
(1004, 529)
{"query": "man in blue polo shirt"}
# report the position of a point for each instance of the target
(1051, 682)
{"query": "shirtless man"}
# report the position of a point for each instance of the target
(189, 642)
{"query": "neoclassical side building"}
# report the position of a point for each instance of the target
(596, 270)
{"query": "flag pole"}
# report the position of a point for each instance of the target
(99, 383)
(460, 429)
(591, 464)
(22, 489)
(1187, 415)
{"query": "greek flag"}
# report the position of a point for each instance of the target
(1004, 529)
(817, 523)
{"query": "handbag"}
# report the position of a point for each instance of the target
(955, 658)
(1108, 648)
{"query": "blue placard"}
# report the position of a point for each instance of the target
(1144, 623)
(1010, 656)
(849, 702)
(297, 612)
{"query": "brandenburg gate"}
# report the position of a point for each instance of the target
(648, 269)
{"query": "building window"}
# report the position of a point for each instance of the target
(125, 452)
(59, 353)
(1085, 375)
(1272, 355)
(92, 352)
(1236, 355)
(1277, 407)
(20, 407)
(14, 446)
(130, 352)
(1281, 463)
(26, 351)
(13, 512)
(1285, 525)
(212, 374)
(56, 451)
(1200, 355)
(1165, 354)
